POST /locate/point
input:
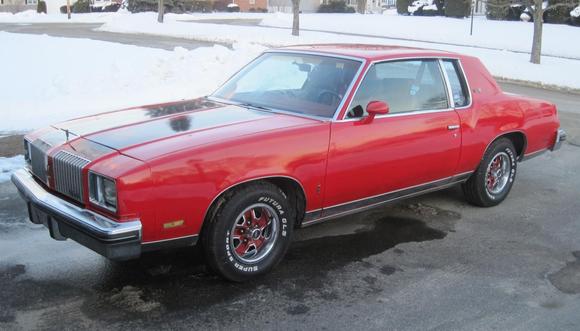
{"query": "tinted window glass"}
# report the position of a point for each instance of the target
(404, 85)
(458, 87)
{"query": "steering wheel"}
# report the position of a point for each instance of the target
(323, 99)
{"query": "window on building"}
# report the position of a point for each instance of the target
(252, 2)
(30, 2)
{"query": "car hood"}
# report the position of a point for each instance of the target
(129, 130)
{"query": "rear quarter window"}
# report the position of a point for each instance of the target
(460, 93)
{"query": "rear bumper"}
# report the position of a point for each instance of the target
(560, 138)
(113, 240)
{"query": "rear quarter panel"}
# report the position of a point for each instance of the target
(494, 113)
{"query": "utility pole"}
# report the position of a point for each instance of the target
(68, 8)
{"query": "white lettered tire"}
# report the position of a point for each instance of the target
(250, 233)
(491, 183)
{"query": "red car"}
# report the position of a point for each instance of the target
(300, 135)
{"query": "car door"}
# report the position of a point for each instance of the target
(416, 145)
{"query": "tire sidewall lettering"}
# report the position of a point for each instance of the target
(253, 268)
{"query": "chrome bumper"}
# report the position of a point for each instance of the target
(114, 240)
(560, 138)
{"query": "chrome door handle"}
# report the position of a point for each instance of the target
(453, 127)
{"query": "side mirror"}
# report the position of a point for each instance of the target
(375, 108)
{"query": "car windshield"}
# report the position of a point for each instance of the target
(299, 83)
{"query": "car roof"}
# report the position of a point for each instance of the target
(368, 51)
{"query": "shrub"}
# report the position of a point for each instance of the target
(402, 6)
(560, 14)
(457, 8)
(81, 6)
(220, 5)
(201, 6)
(497, 9)
(171, 6)
(335, 6)
(41, 7)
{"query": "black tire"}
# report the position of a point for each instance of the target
(218, 236)
(476, 189)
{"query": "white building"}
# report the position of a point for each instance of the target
(14, 6)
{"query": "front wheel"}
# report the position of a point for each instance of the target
(494, 178)
(250, 233)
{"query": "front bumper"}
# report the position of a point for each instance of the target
(113, 240)
(560, 138)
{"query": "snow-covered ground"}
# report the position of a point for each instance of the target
(45, 79)
(31, 16)
(502, 63)
(8, 165)
(504, 35)
(53, 79)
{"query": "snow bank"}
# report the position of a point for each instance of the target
(31, 16)
(503, 35)
(75, 77)
(501, 63)
(8, 165)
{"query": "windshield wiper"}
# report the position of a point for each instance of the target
(251, 105)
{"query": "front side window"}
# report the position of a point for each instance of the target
(409, 85)
(300, 83)
(457, 82)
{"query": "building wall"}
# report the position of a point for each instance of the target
(15, 6)
(285, 6)
(246, 5)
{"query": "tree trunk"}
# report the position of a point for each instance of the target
(538, 13)
(160, 11)
(296, 19)
(361, 6)
(68, 9)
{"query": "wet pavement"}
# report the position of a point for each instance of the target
(432, 262)
(86, 31)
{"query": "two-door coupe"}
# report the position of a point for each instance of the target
(300, 135)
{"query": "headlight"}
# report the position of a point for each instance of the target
(102, 191)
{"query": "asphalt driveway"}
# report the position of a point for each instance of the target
(432, 262)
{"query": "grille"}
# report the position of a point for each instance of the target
(38, 160)
(68, 174)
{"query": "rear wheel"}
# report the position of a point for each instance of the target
(250, 233)
(493, 179)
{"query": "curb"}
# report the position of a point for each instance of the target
(528, 83)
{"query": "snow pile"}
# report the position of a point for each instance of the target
(8, 165)
(31, 16)
(75, 77)
(502, 35)
(501, 63)
(575, 12)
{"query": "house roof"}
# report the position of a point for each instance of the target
(369, 52)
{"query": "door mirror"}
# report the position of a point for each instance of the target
(375, 108)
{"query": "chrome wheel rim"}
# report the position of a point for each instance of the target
(254, 233)
(498, 173)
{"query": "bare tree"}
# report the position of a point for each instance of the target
(361, 6)
(160, 11)
(68, 9)
(296, 19)
(537, 14)
(537, 10)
